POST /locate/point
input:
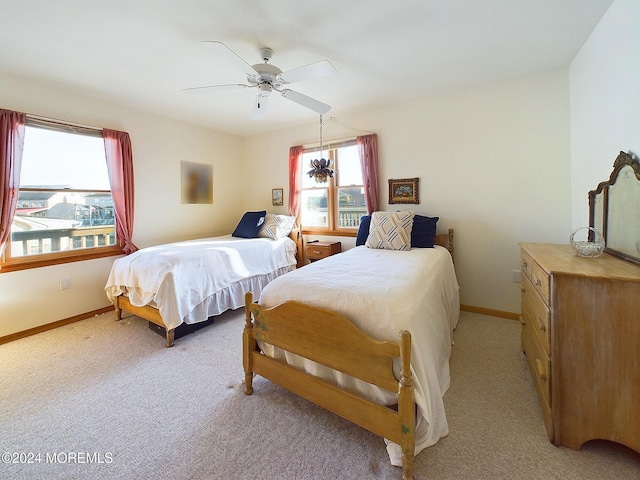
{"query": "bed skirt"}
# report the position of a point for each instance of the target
(232, 297)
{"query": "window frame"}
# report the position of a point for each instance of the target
(11, 264)
(332, 192)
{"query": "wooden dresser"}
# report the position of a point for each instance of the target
(581, 336)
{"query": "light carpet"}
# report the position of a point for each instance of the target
(105, 399)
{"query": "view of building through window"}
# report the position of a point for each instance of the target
(339, 203)
(65, 200)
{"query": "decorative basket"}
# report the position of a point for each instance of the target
(590, 248)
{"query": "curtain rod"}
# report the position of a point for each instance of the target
(62, 122)
(336, 142)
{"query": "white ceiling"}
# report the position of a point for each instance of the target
(142, 53)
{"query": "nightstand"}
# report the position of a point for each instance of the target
(319, 250)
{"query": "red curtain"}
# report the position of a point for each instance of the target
(117, 146)
(11, 145)
(295, 179)
(368, 149)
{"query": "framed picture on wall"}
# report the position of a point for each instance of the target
(403, 190)
(277, 195)
(196, 182)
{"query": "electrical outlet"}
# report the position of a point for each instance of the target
(65, 283)
(515, 276)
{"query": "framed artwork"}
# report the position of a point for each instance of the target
(277, 196)
(403, 190)
(196, 182)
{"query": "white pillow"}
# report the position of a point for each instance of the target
(390, 230)
(277, 226)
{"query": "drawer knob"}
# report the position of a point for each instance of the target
(541, 375)
(541, 325)
(536, 281)
(317, 252)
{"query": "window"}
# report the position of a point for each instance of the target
(64, 211)
(337, 205)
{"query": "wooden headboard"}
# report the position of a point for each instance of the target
(446, 240)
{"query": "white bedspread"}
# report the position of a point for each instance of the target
(384, 292)
(177, 277)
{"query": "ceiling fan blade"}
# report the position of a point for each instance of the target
(323, 68)
(305, 101)
(260, 106)
(230, 55)
(207, 88)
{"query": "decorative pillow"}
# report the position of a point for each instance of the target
(423, 233)
(249, 225)
(277, 226)
(363, 230)
(390, 230)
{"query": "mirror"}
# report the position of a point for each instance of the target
(614, 209)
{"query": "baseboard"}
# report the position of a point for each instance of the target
(83, 316)
(51, 326)
(490, 311)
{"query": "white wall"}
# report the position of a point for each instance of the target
(605, 102)
(493, 163)
(31, 298)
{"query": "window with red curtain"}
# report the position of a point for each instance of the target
(336, 206)
(65, 210)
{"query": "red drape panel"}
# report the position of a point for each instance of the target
(295, 179)
(11, 146)
(368, 149)
(117, 146)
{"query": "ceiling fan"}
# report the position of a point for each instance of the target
(267, 77)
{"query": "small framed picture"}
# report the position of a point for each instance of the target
(404, 190)
(277, 196)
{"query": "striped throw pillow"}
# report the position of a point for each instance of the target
(277, 226)
(390, 230)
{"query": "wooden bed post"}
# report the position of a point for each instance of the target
(116, 304)
(171, 333)
(451, 242)
(249, 345)
(406, 406)
(296, 236)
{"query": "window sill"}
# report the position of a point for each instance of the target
(57, 259)
(329, 233)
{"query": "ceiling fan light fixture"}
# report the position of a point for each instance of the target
(267, 77)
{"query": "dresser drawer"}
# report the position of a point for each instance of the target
(536, 313)
(539, 364)
(540, 281)
(320, 250)
(525, 264)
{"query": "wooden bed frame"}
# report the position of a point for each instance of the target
(152, 314)
(332, 340)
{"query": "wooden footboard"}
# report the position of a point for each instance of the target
(147, 312)
(330, 339)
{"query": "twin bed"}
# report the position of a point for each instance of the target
(366, 333)
(191, 281)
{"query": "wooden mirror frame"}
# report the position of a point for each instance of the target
(601, 193)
